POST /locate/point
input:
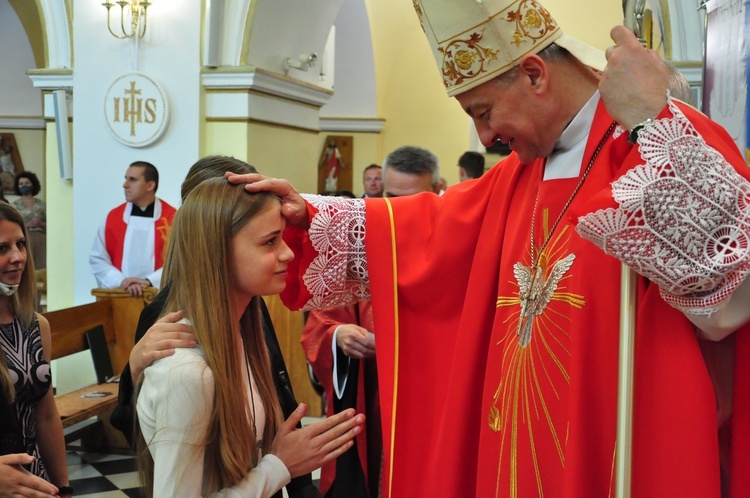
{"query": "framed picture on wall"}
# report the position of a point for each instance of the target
(335, 164)
(10, 161)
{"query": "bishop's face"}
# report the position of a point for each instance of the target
(511, 112)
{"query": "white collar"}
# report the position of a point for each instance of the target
(565, 160)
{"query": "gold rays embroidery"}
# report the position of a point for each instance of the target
(533, 343)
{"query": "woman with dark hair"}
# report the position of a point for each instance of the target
(32, 447)
(34, 213)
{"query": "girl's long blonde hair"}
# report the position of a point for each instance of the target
(23, 302)
(197, 267)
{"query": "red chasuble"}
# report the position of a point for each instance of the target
(471, 409)
(115, 228)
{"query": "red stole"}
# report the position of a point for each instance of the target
(115, 228)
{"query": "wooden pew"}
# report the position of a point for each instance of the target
(117, 312)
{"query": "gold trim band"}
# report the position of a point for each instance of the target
(395, 343)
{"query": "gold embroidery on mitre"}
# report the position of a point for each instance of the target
(534, 365)
(465, 59)
(418, 10)
(532, 21)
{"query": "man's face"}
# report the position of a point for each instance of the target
(372, 181)
(511, 113)
(137, 189)
(398, 184)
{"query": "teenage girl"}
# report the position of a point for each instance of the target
(209, 415)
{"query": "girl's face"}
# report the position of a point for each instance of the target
(12, 253)
(259, 256)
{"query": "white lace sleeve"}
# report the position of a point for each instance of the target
(683, 219)
(338, 275)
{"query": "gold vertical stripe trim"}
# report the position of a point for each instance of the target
(395, 343)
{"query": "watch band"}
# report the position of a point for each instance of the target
(65, 490)
(633, 135)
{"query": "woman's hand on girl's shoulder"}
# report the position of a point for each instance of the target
(304, 450)
(160, 341)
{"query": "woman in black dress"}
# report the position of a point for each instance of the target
(32, 446)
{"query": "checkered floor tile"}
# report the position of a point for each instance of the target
(103, 475)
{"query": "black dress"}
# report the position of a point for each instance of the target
(30, 374)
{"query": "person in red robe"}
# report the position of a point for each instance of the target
(348, 375)
(509, 387)
(339, 344)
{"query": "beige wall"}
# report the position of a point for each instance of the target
(76, 370)
(367, 150)
(227, 138)
(411, 97)
(60, 232)
(285, 152)
(575, 18)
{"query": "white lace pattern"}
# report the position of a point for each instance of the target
(338, 275)
(683, 219)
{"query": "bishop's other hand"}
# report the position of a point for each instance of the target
(634, 84)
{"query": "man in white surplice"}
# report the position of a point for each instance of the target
(129, 246)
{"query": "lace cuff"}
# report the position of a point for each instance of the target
(683, 219)
(338, 275)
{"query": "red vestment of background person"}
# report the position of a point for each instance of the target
(115, 229)
(468, 411)
(317, 340)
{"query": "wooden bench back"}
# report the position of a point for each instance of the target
(115, 310)
(70, 325)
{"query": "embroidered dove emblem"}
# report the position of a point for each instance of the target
(535, 293)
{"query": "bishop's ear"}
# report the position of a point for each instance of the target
(535, 69)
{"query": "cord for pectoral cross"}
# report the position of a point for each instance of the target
(535, 258)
